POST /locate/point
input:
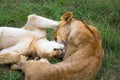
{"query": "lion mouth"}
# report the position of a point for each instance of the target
(60, 52)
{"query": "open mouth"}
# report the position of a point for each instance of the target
(60, 52)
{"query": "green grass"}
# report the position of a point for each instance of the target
(104, 14)
(9, 75)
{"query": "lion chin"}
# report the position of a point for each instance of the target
(83, 55)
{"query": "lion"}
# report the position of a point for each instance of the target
(83, 54)
(29, 40)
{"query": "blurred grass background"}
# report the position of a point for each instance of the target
(104, 14)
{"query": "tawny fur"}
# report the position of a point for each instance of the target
(29, 40)
(83, 56)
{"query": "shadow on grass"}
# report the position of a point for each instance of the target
(7, 74)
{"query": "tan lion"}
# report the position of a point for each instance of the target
(83, 55)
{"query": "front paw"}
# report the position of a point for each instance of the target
(15, 67)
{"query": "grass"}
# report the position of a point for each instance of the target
(104, 14)
(10, 75)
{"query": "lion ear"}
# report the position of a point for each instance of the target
(67, 17)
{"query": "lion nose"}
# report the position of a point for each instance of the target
(55, 39)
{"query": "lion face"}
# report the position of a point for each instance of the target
(61, 36)
(76, 31)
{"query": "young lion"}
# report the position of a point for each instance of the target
(83, 55)
(27, 41)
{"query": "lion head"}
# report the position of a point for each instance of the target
(77, 34)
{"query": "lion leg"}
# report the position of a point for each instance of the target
(20, 63)
(15, 67)
(9, 57)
